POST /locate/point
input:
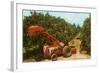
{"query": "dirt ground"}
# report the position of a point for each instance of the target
(61, 58)
(73, 57)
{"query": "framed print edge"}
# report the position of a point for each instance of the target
(16, 38)
(13, 37)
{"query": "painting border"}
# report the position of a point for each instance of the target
(16, 61)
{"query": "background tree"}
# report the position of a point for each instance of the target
(86, 35)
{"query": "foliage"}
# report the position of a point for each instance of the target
(56, 26)
(86, 36)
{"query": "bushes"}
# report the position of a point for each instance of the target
(86, 36)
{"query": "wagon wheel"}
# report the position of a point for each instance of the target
(53, 57)
(67, 51)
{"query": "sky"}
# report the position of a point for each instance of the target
(71, 17)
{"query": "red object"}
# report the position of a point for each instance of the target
(73, 49)
(33, 30)
(57, 51)
(47, 50)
